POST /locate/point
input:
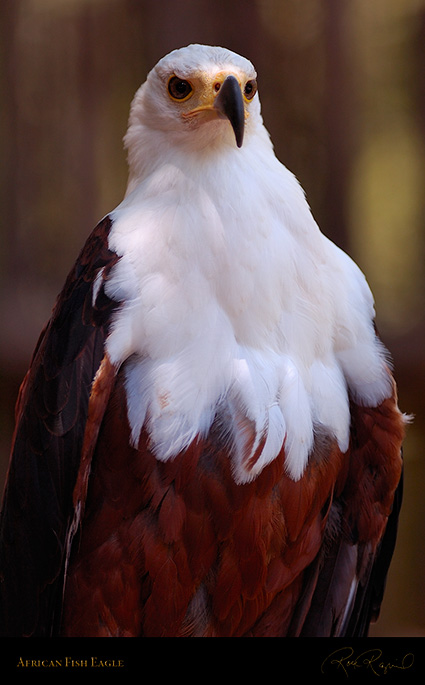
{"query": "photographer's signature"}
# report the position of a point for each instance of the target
(346, 661)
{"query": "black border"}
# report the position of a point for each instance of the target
(343, 660)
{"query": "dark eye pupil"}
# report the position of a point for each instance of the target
(250, 89)
(178, 88)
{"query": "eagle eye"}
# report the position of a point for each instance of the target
(250, 89)
(178, 88)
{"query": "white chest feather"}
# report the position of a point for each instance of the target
(232, 297)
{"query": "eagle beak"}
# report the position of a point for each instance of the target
(229, 104)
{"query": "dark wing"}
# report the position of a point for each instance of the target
(344, 588)
(51, 418)
(367, 606)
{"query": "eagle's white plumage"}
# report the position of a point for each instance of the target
(233, 298)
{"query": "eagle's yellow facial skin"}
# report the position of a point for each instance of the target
(200, 101)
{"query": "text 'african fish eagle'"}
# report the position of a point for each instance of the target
(207, 441)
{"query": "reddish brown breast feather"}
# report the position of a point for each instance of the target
(179, 549)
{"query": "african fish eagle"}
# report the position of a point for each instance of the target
(207, 441)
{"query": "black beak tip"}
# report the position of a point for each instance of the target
(229, 102)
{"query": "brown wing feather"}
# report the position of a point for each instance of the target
(360, 538)
(51, 417)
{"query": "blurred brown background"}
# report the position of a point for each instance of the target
(342, 84)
